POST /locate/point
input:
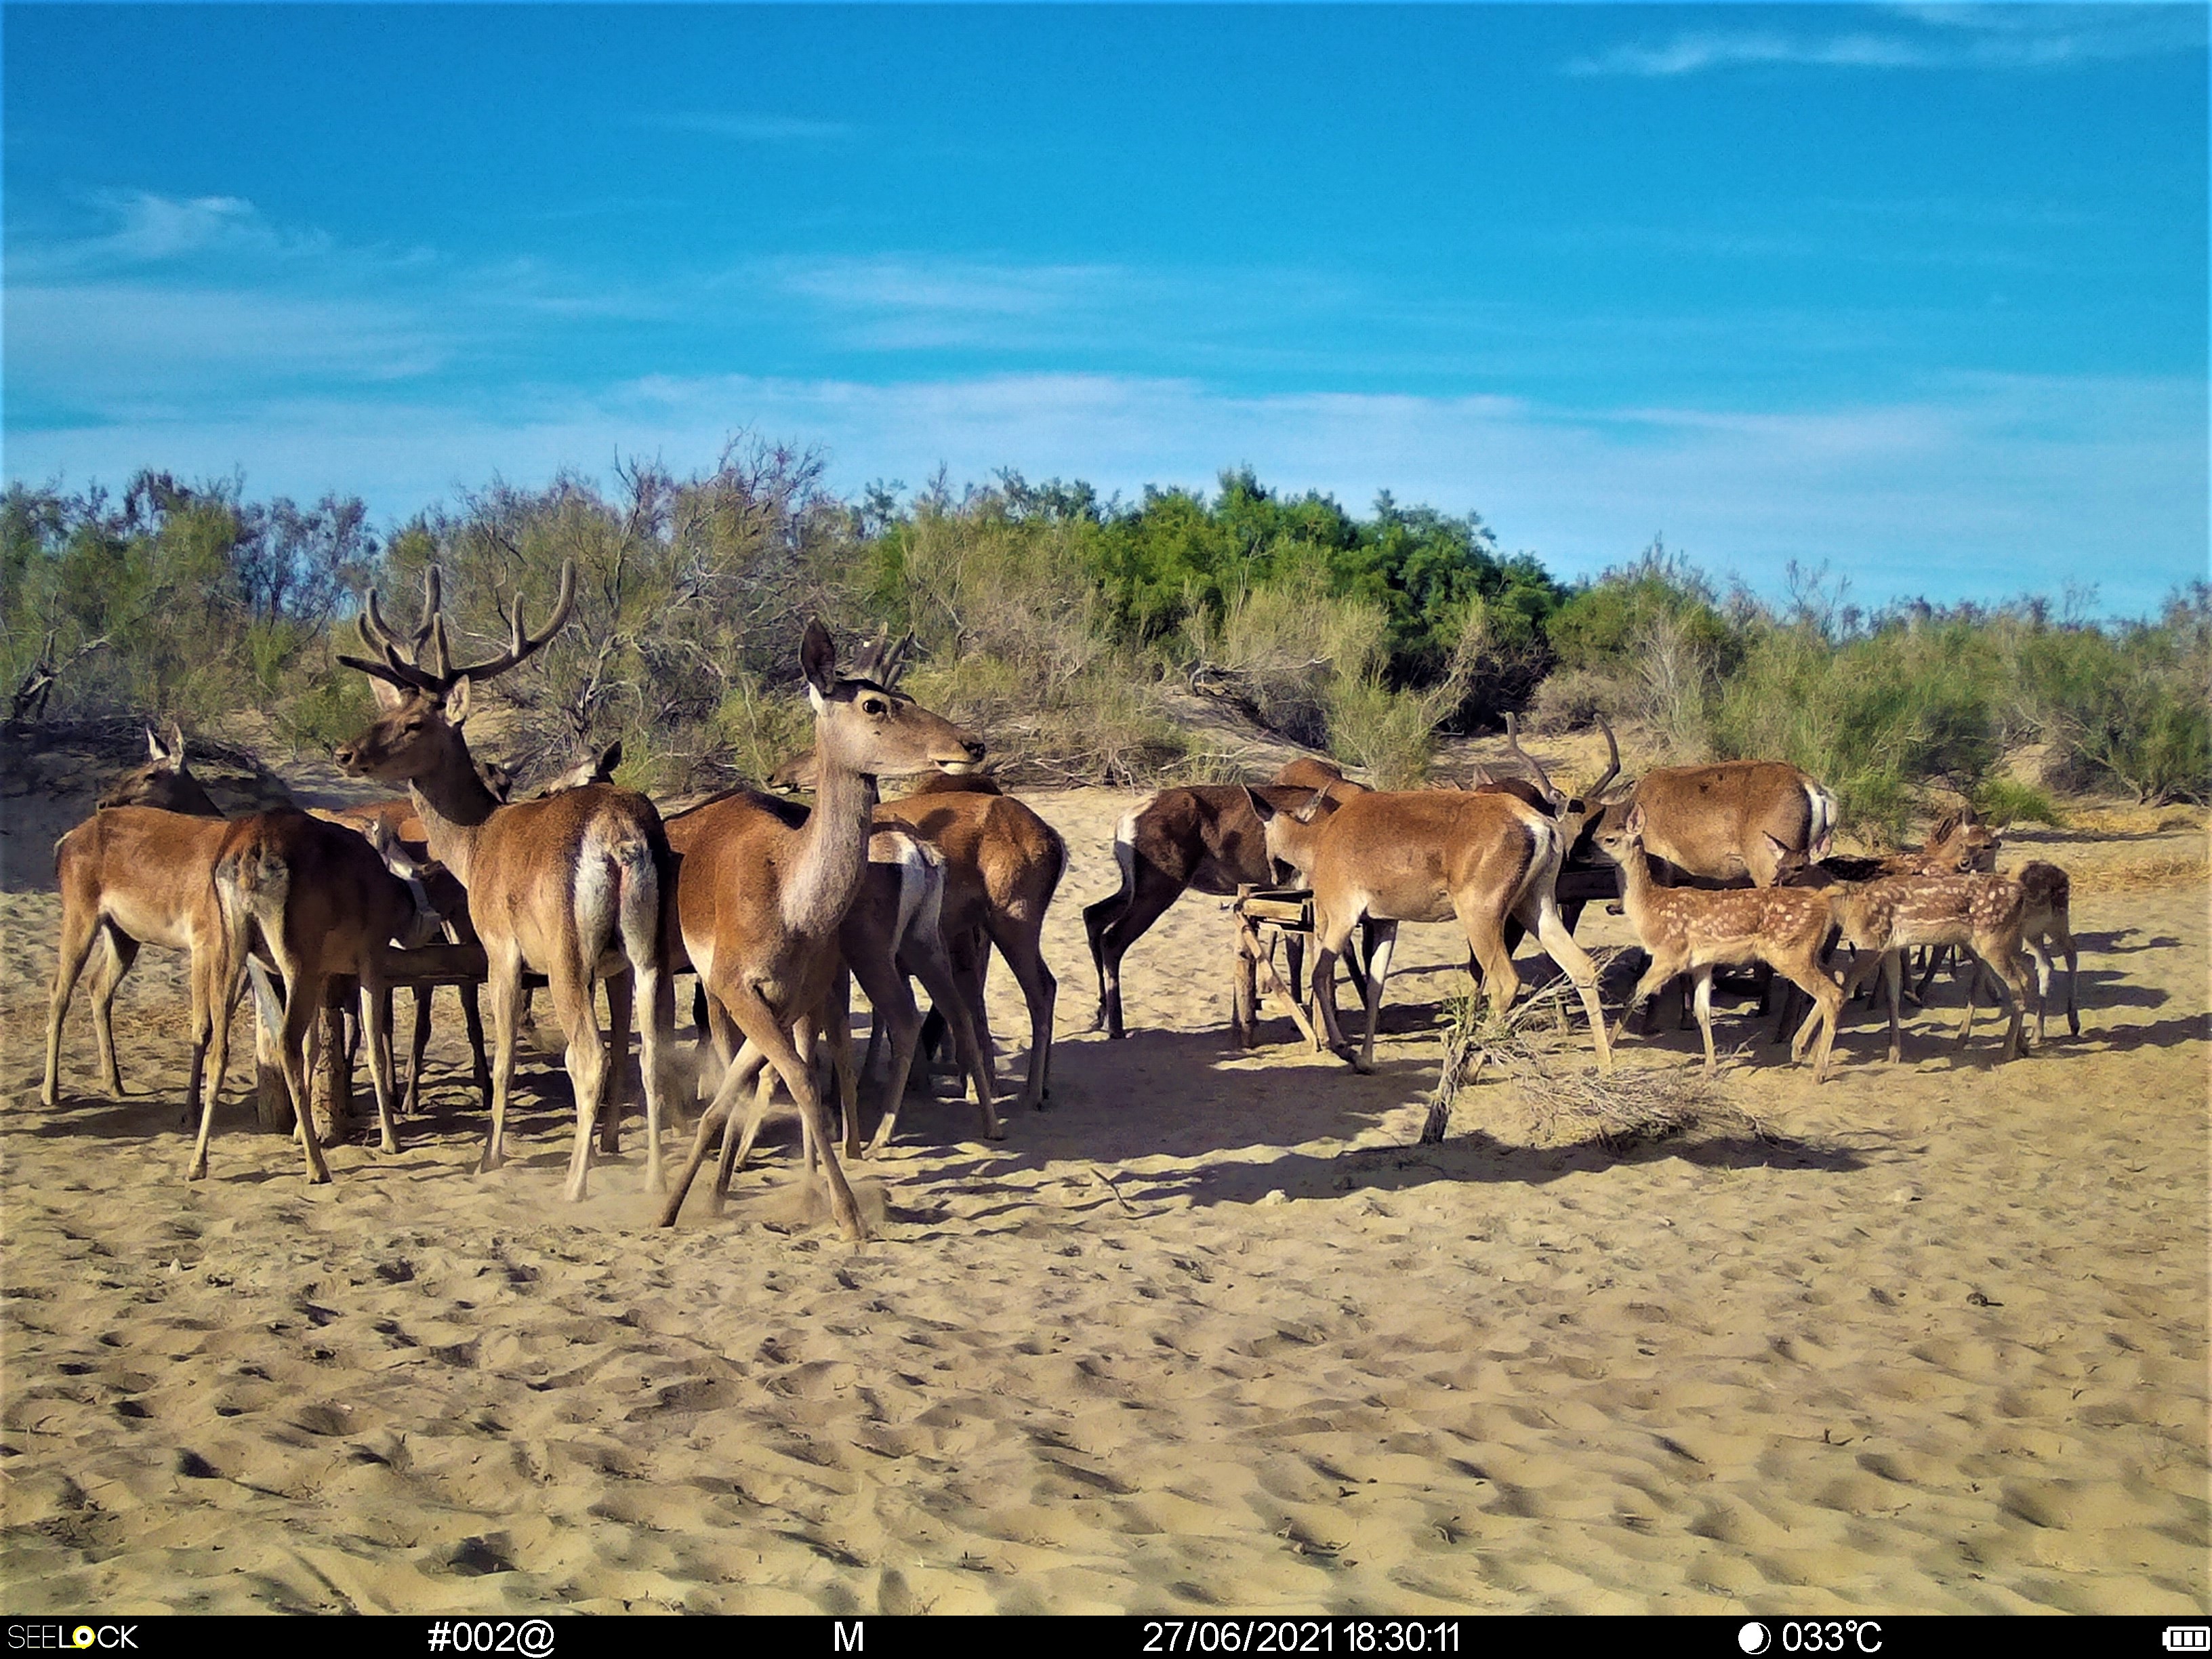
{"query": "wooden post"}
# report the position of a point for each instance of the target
(1244, 1010)
(334, 1079)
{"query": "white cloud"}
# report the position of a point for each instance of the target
(141, 229)
(1979, 487)
(753, 128)
(1923, 36)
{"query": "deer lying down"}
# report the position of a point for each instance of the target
(1694, 931)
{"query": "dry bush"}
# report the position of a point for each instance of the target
(1574, 1101)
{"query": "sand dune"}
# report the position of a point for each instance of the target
(1208, 1334)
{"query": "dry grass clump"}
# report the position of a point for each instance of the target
(2141, 876)
(1570, 1099)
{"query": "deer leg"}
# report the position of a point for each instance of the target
(80, 927)
(1378, 977)
(1974, 987)
(472, 1019)
(1322, 988)
(1701, 982)
(570, 984)
(936, 974)
(303, 1007)
(716, 1116)
(113, 952)
(1115, 923)
(418, 1044)
(1657, 973)
(1040, 991)
(758, 1022)
(1828, 1001)
(621, 999)
(892, 1009)
(504, 980)
(2065, 932)
(737, 1147)
(837, 1037)
(1558, 939)
(215, 987)
(376, 1037)
(2011, 968)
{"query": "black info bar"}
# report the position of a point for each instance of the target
(979, 1637)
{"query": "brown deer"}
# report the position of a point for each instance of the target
(1002, 866)
(1429, 856)
(571, 886)
(759, 903)
(323, 902)
(1198, 837)
(101, 875)
(1693, 931)
(891, 930)
(1980, 912)
(165, 782)
(130, 876)
(1735, 822)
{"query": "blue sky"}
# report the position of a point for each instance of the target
(1917, 291)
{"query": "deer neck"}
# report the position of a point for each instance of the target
(834, 856)
(1637, 887)
(454, 806)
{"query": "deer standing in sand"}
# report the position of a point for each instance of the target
(1201, 838)
(1971, 910)
(1693, 931)
(1429, 856)
(760, 904)
(571, 885)
(324, 903)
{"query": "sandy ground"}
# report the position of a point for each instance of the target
(1209, 1334)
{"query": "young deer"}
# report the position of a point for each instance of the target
(2046, 917)
(759, 903)
(1976, 911)
(571, 885)
(1694, 931)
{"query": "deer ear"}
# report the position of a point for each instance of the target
(609, 758)
(1634, 826)
(459, 700)
(817, 660)
(389, 696)
(177, 745)
(1261, 808)
(153, 744)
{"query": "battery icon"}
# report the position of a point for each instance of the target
(2189, 1639)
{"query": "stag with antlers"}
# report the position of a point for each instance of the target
(570, 886)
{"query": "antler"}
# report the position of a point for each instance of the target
(524, 644)
(1543, 781)
(894, 664)
(1612, 771)
(402, 665)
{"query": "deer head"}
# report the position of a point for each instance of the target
(165, 781)
(864, 723)
(425, 702)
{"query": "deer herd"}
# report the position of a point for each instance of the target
(776, 908)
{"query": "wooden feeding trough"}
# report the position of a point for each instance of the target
(333, 1083)
(1258, 910)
